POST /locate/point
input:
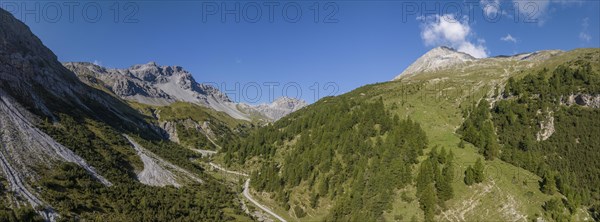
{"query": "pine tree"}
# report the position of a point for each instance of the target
(491, 147)
(470, 133)
(437, 173)
(428, 201)
(433, 155)
(446, 191)
(425, 177)
(443, 156)
(478, 170)
(469, 176)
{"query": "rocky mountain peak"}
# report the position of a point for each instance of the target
(280, 107)
(34, 86)
(288, 102)
(31, 73)
(436, 59)
(17, 38)
(154, 84)
(153, 72)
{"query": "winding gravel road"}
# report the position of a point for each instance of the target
(246, 191)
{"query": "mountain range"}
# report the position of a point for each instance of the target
(156, 85)
(452, 138)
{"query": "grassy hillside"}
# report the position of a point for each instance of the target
(541, 132)
(439, 102)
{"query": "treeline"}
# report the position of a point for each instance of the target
(354, 153)
(568, 159)
(434, 182)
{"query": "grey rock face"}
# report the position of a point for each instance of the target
(546, 127)
(34, 84)
(281, 107)
(162, 85)
(159, 172)
(170, 129)
(436, 59)
(586, 100)
(27, 67)
(26, 150)
(31, 74)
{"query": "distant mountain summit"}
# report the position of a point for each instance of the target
(150, 83)
(436, 59)
(278, 108)
(162, 85)
(442, 58)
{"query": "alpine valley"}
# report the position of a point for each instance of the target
(452, 138)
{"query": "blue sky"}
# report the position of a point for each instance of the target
(353, 43)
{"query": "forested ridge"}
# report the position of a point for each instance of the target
(567, 160)
(354, 153)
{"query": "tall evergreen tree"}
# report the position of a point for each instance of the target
(478, 170)
(491, 148)
(443, 156)
(428, 202)
(446, 191)
(425, 177)
(469, 176)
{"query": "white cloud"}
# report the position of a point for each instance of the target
(477, 51)
(584, 35)
(491, 8)
(447, 30)
(509, 38)
(98, 63)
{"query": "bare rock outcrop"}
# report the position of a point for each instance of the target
(159, 172)
(436, 59)
(546, 128)
(170, 129)
(586, 100)
(26, 151)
